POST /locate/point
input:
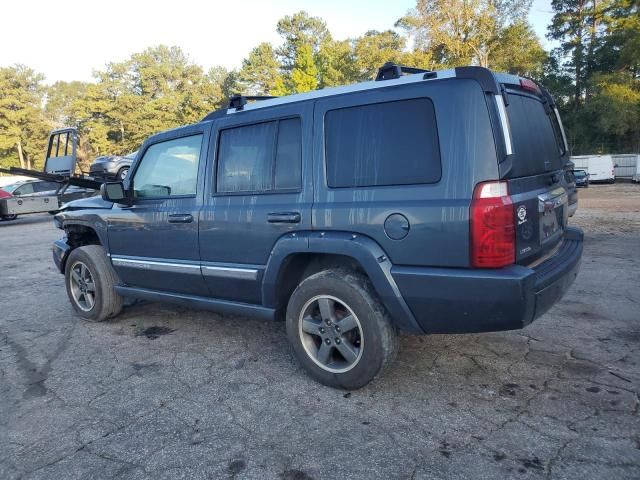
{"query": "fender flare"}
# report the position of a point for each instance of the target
(361, 248)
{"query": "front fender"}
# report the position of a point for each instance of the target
(92, 219)
(362, 249)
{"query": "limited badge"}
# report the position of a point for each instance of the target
(522, 214)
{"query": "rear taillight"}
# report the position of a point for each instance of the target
(492, 226)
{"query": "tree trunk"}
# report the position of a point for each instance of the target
(578, 57)
(20, 154)
(592, 44)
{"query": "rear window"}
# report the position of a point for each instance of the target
(537, 146)
(392, 143)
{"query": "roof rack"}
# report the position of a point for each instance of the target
(391, 70)
(236, 101)
(239, 101)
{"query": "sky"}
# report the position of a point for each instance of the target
(68, 40)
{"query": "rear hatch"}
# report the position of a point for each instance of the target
(535, 170)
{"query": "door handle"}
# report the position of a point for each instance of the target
(283, 217)
(181, 218)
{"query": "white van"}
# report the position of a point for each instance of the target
(599, 167)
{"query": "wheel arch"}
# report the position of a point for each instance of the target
(298, 255)
(80, 233)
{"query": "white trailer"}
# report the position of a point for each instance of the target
(626, 164)
(599, 167)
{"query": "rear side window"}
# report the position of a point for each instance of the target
(392, 143)
(45, 186)
(261, 157)
(537, 147)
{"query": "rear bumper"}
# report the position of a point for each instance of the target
(466, 300)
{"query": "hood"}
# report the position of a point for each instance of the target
(86, 203)
(105, 158)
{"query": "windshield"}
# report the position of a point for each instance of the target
(10, 188)
(580, 173)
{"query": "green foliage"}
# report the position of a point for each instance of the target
(374, 49)
(296, 31)
(460, 31)
(336, 62)
(304, 73)
(593, 74)
(596, 74)
(482, 32)
(152, 91)
(260, 72)
(22, 122)
(517, 50)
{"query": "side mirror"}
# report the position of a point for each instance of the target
(113, 192)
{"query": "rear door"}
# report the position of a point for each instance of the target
(535, 170)
(261, 190)
(46, 188)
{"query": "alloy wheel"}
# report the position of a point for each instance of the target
(331, 334)
(83, 287)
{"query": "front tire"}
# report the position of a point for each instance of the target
(90, 282)
(8, 218)
(122, 173)
(339, 329)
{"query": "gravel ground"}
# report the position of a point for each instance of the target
(165, 392)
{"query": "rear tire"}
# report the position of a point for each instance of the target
(346, 357)
(90, 282)
(8, 218)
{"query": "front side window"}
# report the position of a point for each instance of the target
(260, 158)
(169, 169)
(392, 143)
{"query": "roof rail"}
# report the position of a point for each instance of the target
(239, 101)
(236, 101)
(215, 114)
(391, 70)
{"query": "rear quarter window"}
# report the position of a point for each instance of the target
(391, 143)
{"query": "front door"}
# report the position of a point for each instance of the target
(154, 241)
(261, 191)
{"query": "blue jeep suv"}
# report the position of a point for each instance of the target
(428, 202)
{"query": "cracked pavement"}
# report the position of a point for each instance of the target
(166, 392)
